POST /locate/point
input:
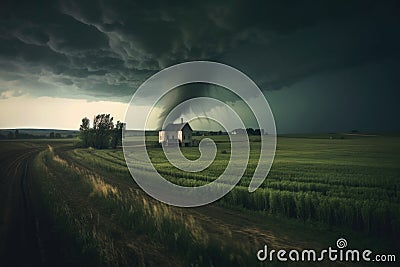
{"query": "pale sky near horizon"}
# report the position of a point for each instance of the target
(54, 113)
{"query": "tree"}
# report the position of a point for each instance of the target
(103, 134)
(16, 135)
(51, 135)
(250, 131)
(84, 131)
(102, 126)
(116, 137)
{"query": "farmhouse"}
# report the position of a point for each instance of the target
(176, 134)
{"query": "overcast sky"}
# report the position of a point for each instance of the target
(322, 65)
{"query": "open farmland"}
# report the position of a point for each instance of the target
(353, 182)
(317, 191)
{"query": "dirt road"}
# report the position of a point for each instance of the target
(25, 236)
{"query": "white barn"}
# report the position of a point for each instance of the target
(176, 134)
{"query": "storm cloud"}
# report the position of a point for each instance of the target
(104, 49)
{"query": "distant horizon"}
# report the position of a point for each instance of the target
(350, 132)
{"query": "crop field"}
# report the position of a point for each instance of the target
(339, 182)
(319, 189)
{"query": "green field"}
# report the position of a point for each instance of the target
(317, 189)
(346, 182)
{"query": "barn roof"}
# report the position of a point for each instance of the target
(172, 127)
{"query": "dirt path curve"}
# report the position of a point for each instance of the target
(20, 241)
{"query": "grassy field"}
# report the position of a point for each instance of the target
(352, 182)
(317, 190)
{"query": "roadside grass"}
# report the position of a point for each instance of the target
(98, 214)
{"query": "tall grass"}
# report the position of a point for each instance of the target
(111, 224)
(347, 183)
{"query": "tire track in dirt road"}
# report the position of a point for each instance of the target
(20, 242)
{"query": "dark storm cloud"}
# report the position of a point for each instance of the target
(102, 49)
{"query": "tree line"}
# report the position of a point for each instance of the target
(24, 135)
(103, 134)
